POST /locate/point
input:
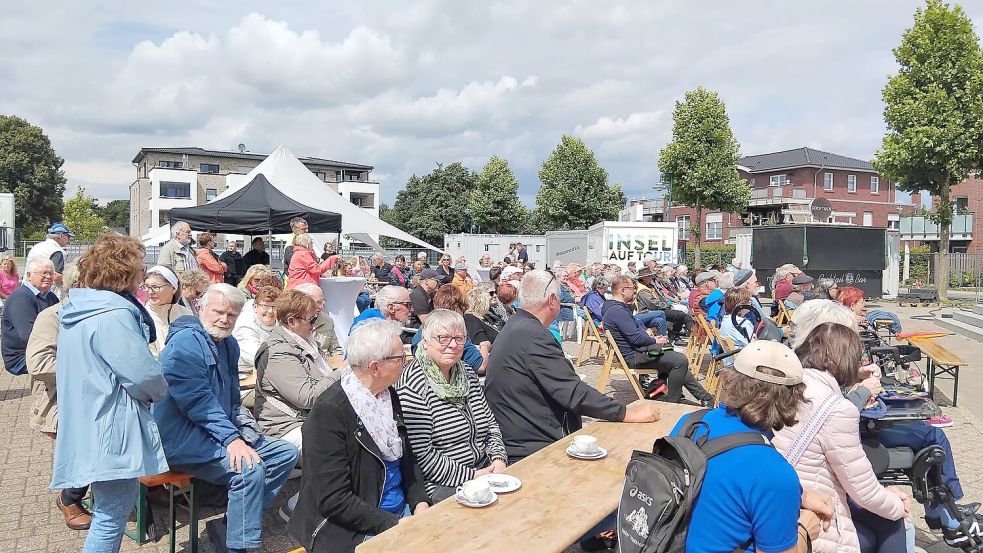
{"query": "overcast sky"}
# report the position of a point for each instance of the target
(404, 85)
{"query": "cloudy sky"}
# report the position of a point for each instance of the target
(405, 85)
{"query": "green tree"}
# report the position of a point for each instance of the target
(435, 204)
(700, 162)
(30, 168)
(116, 214)
(81, 217)
(494, 201)
(575, 193)
(934, 113)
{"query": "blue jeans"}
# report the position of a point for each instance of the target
(878, 535)
(654, 319)
(918, 436)
(252, 491)
(112, 503)
(407, 512)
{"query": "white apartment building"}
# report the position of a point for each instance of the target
(188, 177)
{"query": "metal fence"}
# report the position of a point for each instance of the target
(965, 270)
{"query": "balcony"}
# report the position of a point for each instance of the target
(925, 230)
(777, 195)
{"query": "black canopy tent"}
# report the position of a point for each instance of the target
(257, 208)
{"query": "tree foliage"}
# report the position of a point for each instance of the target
(81, 217)
(700, 163)
(116, 214)
(575, 193)
(435, 204)
(494, 201)
(30, 168)
(934, 112)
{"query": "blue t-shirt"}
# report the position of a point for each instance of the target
(393, 498)
(750, 491)
(366, 315)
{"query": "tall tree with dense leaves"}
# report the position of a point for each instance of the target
(575, 193)
(81, 217)
(934, 113)
(30, 168)
(494, 201)
(116, 214)
(700, 162)
(435, 204)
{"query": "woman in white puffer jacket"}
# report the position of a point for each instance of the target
(833, 461)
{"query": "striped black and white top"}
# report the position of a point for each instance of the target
(450, 440)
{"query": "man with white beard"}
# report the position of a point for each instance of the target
(205, 430)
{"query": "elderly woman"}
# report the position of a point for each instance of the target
(207, 260)
(106, 381)
(193, 284)
(479, 329)
(254, 326)
(450, 426)
(445, 272)
(360, 474)
(853, 299)
(827, 289)
(256, 278)
(449, 297)
(305, 266)
(9, 279)
(163, 302)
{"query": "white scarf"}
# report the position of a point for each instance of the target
(309, 346)
(376, 413)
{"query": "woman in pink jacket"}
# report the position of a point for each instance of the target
(824, 446)
(305, 267)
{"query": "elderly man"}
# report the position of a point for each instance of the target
(422, 297)
(748, 280)
(324, 331)
(53, 248)
(391, 303)
(178, 255)
(461, 279)
(706, 282)
(298, 226)
(204, 429)
(380, 268)
(802, 286)
(422, 257)
(533, 389)
(233, 263)
(21, 308)
(256, 255)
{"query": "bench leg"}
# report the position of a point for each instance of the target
(930, 368)
(193, 517)
(172, 512)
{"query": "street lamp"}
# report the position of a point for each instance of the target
(666, 187)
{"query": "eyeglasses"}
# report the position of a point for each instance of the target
(401, 357)
(406, 304)
(546, 289)
(153, 289)
(263, 307)
(446, 340)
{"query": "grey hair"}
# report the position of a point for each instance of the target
(303, 240)
(35, 261)
(601, 282)
(231, 294)
(388, 294)
(478, 302)
(377, 256)
(54, 235)
(537, 286)
(442, 319)
(308, 288)
(824, 284)
(682, 269)
(178, 227)
(725, 280)
(813, 313)
(367, 342)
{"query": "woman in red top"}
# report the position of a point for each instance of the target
(305, 267)
(207, 259)
(9, 279)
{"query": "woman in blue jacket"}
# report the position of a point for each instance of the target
(107, 378)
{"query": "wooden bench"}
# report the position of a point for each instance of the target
(939, 361)
(178, 484)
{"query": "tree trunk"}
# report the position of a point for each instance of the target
(942, 271)
(697, 228)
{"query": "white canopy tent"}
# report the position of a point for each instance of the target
(293, 178)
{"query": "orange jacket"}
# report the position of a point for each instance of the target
(214, 268)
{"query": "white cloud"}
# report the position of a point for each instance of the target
(606, 127)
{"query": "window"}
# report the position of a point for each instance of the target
(170, 164)
(683, 223)
(352, 176)
(175, 189)
(875, 185)
(778, 180)
(962, 205)
(893, 221)
(868, 219)
(208, 168)
(851, 183)
(828, 182)
(715, 226)
(319, 174)
(337, 176)
(211, 194)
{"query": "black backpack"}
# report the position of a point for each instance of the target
(661, 487)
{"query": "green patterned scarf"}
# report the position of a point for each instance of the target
(454, 391)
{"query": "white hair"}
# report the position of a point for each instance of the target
(537, 286)
(725, 280)
(308, 288)
(813, 313)
(442, 320)
(303, 240)
(389, 294)
(231, 294)
(34, 262)
(367, 342)
(178, 227)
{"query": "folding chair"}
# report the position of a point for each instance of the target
(590, 336)
(614, 360)
(709, 332)
(784, 314)
(713, 373)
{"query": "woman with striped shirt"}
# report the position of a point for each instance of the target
(450, 427)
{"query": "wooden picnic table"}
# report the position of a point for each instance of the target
(560, 500)
(939, 360)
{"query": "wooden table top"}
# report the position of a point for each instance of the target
(561, 498)
(939, 353)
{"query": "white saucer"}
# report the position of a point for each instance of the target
(501, 483)
(601, 453)
(487, 502)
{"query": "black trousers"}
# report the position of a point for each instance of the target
(674, 367)
(677, 321)
(73, 496)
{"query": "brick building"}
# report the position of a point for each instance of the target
(783, 185)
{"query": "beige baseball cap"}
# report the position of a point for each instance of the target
(771, 355)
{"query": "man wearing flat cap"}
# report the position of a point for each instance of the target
(461, 280)
(802, 286)
(706, 282)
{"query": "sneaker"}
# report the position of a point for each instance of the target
(935, 523)
(656, 388)
(956, 537)
(287, 509)
(940, 421)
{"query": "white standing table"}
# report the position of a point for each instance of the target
(339, 302)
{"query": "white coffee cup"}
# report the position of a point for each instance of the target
(585, 444)
(475, 491)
